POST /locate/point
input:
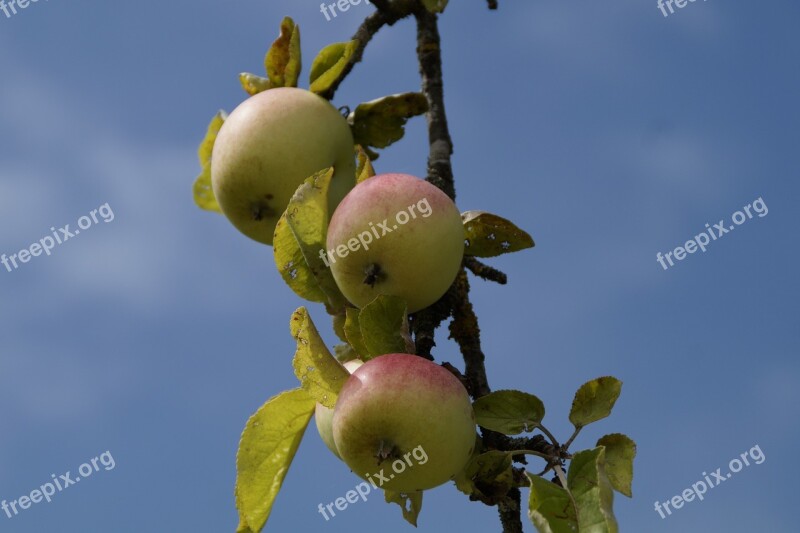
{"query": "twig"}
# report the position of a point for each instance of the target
(485, 271)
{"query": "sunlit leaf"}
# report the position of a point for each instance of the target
(550, 508)
(594, 400)
(268, 445)
(292, 264)
(410, 502)
(384, 326)
(253, 84)
(320, 374)
(364, 170)
(203, 192)
(329, 65)
(381, 122)
(620, 452)
(283, 61)
(592, 492)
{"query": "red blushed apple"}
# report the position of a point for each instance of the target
(404, 422)
(398, 235)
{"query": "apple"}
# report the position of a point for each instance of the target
(268, 146)
(395, 234)
(323, 416)
(404, 423)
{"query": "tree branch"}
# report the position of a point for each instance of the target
(485, 271)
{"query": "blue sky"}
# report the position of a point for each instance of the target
(606, 130)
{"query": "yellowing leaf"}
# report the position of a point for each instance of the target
(319, 372)
(253, 84)
(307, 215)
(381, 122)
(202, 190)
(620, 452)
(489, 235)
(329, 65)
(283, 61)
(364, 169)
(292, 264)
(268, 445)
(410, 502)
(352, 330)
(594, 400)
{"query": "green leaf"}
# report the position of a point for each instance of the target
(352, 330)
(283, 60)
(364, 169)
(381, 122)
(307, 215)
(384, 327)
(203, 192)
(292, 264)
(338, 325)
(620, 451)
(410, 502)
(489, 235)
(269, 442)
(550, 507)
(329, 65)
(594, 400)
(253, 84)
(509, 411)
(320, 374)
(435, 6)
(592, 492)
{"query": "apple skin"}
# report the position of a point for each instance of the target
(396, 403)
(268, 146)
(323, 416)
(417, 261)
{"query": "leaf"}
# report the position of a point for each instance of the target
(292, 264)
(364, 169)
(594, 400)
(319, 372)
(489, 235)
(352, 330)
(592, 492)
(338, 325)
(435, 6)
(550, 508)
(509, 411)
(410, 502)
(253, 84)
(491, 476)
(283, 60)
(620, 452)
(268, 445)
(381, 122)
(329, 65)
(203, 192)
(384, 326)
(307, 215)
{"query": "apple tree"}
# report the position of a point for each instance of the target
(291, 171)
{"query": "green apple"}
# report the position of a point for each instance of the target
(323, 416)
(268, 146)
(404, 423)
(395, 234)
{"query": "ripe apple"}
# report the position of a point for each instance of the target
(268, 146)
(395, 234)
(404, 422)
(323, 416)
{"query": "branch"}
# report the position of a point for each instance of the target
(485, 271)
(386, 15)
